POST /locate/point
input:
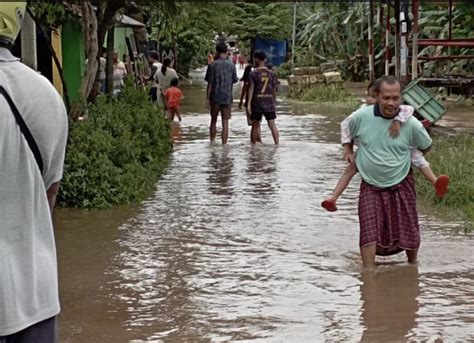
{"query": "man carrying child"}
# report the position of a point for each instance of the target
(387, 202)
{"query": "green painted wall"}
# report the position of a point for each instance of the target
(119, 39)
(73, 58)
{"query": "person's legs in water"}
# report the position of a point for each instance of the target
(440, 182)
(412, 256)
(255, 132)
(271, 117)
(274, 130)
(330, 202)
(213, 126)
(368, 255)
(226, 115)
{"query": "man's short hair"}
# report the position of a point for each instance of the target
(389, 79)
(154, 54)
(260, 55)
(221, 48)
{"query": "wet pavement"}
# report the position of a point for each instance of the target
(233, 246)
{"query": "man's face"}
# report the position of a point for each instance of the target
(389, 98)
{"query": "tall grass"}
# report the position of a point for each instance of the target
(453, 156)
(325, 94)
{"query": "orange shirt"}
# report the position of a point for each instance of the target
(173, 97)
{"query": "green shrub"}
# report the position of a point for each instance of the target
(453, 156)
(324, 94)
(116, 155)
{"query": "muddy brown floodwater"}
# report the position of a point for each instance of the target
(233, 246)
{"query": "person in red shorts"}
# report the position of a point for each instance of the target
(173, 96)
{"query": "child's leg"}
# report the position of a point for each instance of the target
(178, 115)
(330, 202)
(343, 182)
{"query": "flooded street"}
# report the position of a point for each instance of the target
(233, 246)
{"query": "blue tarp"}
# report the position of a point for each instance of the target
(276, 50)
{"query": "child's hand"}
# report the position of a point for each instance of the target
(395, 129)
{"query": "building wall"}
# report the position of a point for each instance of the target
(73, 51)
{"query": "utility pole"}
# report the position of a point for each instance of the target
(294, 38)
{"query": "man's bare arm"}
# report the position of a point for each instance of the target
(249, 105)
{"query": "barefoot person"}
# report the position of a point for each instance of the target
(440, 183)
(262, 98)
(220, 77)
(387, 202)
(173, 96)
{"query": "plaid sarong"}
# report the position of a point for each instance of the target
(388, 217)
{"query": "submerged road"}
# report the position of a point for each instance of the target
(233, 246)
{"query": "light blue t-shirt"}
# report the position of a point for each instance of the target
(384, 161)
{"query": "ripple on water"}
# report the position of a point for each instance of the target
(233, 245)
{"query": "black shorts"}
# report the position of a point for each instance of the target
(258, 115)
(153, 93)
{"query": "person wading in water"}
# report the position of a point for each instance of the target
(387, 202)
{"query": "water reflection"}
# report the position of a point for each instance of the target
(262, 167)
(221, 170)
(390, 303)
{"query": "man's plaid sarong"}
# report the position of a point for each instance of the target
(388, 217)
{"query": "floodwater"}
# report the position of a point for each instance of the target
(233, 246)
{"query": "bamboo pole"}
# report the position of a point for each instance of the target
(414, 61)
(294, 38)
(387, 41)
(371, 41)
(397, 39)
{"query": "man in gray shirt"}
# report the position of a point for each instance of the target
(220, 77)
(30, 172)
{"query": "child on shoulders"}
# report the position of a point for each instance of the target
(440, 182)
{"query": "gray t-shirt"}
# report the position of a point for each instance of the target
(221, 74)
(28, 268)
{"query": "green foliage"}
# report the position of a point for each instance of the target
(51, 13)
(453, 156)
(434, 24)
(265, 20)
(333, 93)
(335, 31)
(116, 155)
(193, 26)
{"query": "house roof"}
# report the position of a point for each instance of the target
(122, 20)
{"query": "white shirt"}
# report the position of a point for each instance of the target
(28, 268)
(165, 80)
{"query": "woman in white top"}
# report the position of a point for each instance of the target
(164, 77)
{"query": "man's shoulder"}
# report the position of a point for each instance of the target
(363, 111)
(414, 123)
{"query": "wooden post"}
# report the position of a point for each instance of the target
(371, 41)
(450, 31)
(110, 61)
(403, 48)
(414, 61)
(387, 41)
